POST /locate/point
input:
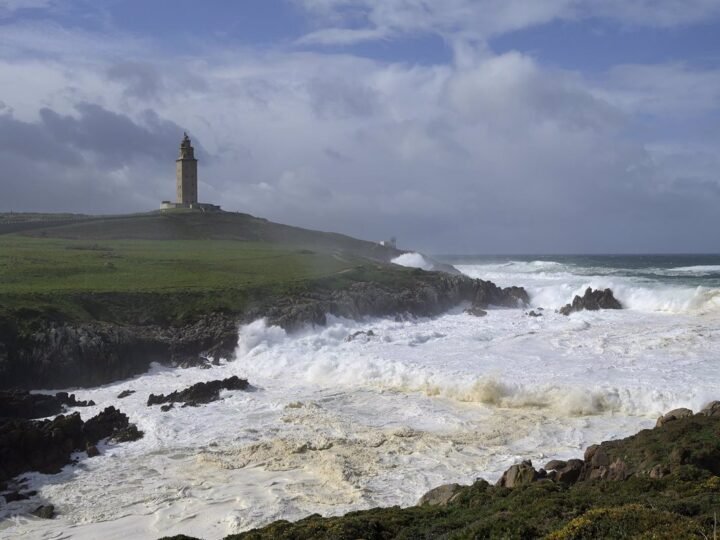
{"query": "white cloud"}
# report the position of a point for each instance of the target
(491, 153)
(482, 19)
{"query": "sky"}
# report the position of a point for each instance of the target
(461, 126)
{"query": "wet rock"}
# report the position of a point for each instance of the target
(125, 393)
(200, 393)
(675, 414)
(13, 496)
(47, 445)
(166, 408)
(192, 362)
(46, 511)
(23, 404)
(519, 475)
(92, 450)
(440, 496)
(476, 311)
(592, 300)
(534, 314)
(70, 401)
(129, 433)
(355, 335)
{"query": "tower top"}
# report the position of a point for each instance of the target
(186, 149)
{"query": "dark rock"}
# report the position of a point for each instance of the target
(59, 354)
(125, 393)
(439, 496)
(13, 496)
(191, 362)
(92, 450)
(534, 314)
(46, 445)
(352, 337)
(23, 404)
(476, 311)
(129, 433)
(46, 511)
(70, 401)
(592, 300)
(519, 475)
(200, 393)
(166, 408)
(673, 415)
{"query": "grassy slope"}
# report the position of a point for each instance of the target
(171, 268)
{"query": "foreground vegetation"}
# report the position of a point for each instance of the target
(682, 502)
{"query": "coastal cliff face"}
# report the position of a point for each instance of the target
(43, 351)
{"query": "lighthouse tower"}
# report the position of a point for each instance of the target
(186, 182)
(186, 174)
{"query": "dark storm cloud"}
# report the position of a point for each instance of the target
(113, 138)
(96, 160)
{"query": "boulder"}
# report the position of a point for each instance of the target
(592, 300)
(476, 311)
(711, 409)
(570, 472)
(675, 414)
(355, 335)
(554, 464)
(200, 393)
(23, 404)
(534, 314)
(46, 511)
(519, 475)
(125, 393)
(440, 496)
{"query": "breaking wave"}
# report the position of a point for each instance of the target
(413, 260)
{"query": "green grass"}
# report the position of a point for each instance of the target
(162, 281)
(49, 265)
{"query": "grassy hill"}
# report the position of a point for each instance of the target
(172, 265)
(187, 225)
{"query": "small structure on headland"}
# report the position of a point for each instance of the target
(186, 175)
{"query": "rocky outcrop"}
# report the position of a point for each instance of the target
(43, 351)
(23, 404)
(200, 393)
(426, 294)
(46, 445)
(678, 440)
(673, 415)
(519, 475)
(440, 496)
(57, 354)
(592, 300)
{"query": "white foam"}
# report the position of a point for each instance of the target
(413, 260)
(337, 425)
(553, 289)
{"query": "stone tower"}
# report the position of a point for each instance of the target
(186, 173)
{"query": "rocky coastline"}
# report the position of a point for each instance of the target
(661, 483)
(45, 350)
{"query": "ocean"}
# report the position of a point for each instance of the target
(334, 425)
